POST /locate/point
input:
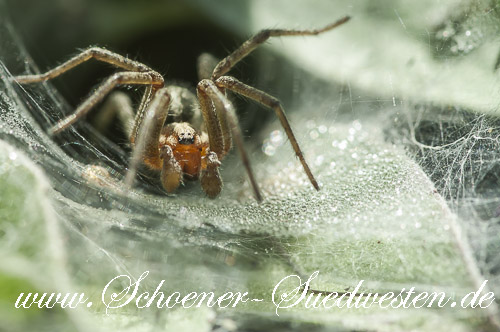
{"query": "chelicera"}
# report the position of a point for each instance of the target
(182, 148)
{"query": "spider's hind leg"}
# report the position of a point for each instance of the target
(206, 64)
(117, 105)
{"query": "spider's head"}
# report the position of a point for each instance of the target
(184, 133)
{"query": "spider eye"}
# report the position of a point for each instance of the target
(186, 138)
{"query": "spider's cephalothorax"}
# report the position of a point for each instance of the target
(179, 148)
(185, 154)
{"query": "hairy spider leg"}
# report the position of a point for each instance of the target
(263, 98)
(146, 147)
(136, 74)
(271, 102)
(208, 89)
(251, 44)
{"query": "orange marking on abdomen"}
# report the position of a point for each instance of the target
(189, 158)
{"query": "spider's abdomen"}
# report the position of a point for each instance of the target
(189, 158)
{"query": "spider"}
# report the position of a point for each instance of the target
(179, 148)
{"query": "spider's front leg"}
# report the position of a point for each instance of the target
(222, 124)
(231, 83)
(210, 179)
(136, 74)
(147, 141)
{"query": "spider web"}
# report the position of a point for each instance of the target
(459, 151)
(376, 218)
